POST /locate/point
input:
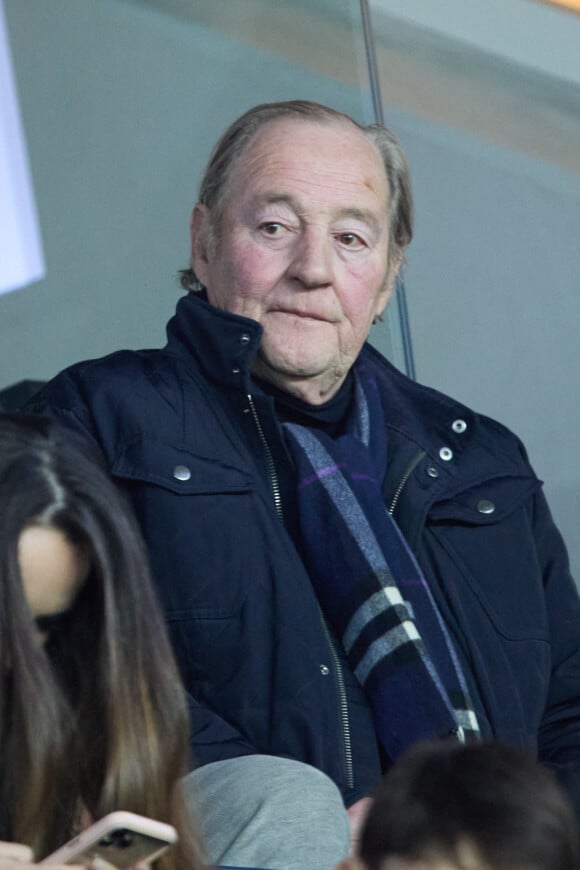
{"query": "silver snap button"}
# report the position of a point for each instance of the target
(432, 471)
(446, 454)
(459, 426)
(181, 472)
(235, 371)
(324, 670)
(485, 506)
(244, 338)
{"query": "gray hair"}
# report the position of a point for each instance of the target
(216, 182)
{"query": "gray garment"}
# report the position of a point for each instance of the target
(267, 812)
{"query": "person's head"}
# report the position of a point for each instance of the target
(478, 806)
(90, 693)
(301, 224)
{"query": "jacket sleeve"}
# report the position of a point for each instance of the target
(212, 738)
(63, 398)
(559, 736)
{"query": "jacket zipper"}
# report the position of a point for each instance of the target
(271, 468)
(403, 481)
(342, 701)
(342, 707)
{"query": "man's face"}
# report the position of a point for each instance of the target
(302, 250)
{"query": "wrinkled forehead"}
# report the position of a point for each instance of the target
(316, 158)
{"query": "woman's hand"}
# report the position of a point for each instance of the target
(16, 856)
(357, 814)
(12, 854)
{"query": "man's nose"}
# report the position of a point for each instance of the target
(311, 264)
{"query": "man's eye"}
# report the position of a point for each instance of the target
(351, 240)
(271, 228)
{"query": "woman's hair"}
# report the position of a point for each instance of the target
(495, 798)
(95, 720)
(217, 180)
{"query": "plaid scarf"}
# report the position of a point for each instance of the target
(369, 584)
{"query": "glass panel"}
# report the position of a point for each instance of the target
(492, 275)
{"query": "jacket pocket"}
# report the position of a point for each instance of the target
(210, 650)
(192, 510)
(178, 469)
(485, 544)
(487, 503)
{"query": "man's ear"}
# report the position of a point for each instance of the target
(350, 864)
(387, 290)
(200, 233)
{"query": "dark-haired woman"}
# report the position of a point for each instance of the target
(92, 715)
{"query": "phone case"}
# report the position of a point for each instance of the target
(121, 838)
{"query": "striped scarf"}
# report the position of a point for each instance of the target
(370, 586)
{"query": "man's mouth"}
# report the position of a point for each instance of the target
(303, 315)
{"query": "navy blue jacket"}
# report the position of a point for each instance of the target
(197, 454)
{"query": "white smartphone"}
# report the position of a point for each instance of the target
(121, 838)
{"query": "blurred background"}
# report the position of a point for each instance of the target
(121, 101)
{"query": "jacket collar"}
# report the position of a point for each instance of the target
(451, 434)
(223, 345)
(458, 447)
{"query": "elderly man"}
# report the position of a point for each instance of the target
(349, 562)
